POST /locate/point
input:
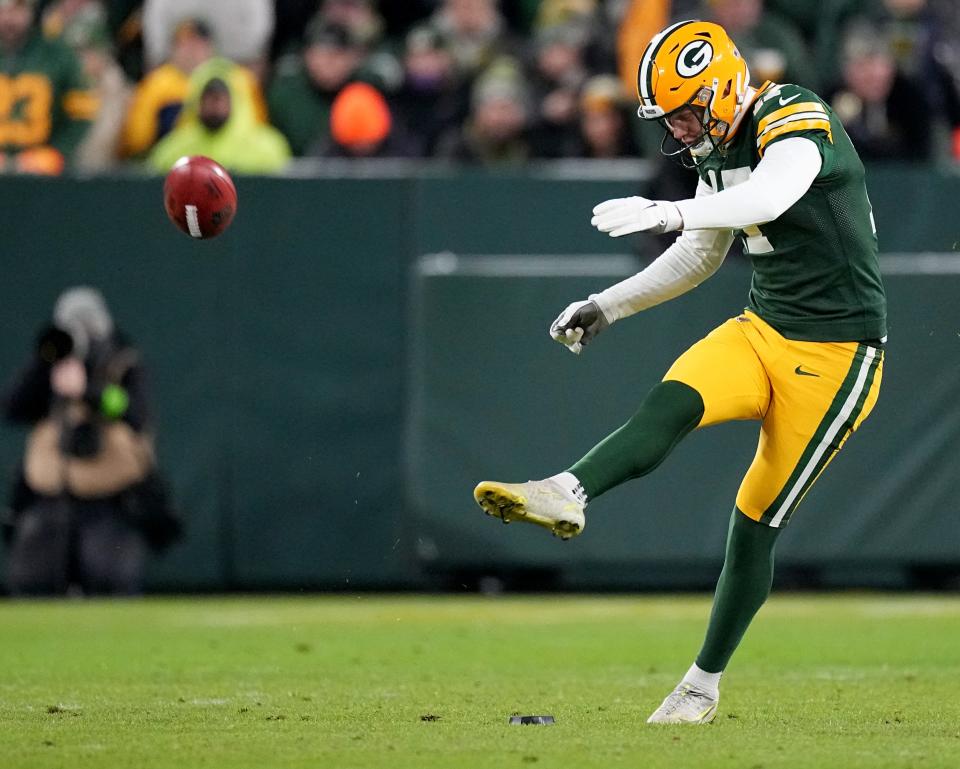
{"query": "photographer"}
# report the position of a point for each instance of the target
(87, 502)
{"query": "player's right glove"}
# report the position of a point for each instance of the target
(577, 325)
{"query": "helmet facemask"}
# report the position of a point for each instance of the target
(713, 131)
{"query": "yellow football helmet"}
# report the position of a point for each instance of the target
(693, 65)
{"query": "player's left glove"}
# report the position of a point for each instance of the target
(577, 325)
(623, 216)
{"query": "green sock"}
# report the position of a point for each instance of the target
(670, 411)
(743, 586)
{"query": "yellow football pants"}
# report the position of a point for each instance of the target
(809, 396)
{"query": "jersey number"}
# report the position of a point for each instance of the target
(25, 107)
(754, 241)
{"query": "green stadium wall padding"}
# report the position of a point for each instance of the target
(512, 405)
(323, 408)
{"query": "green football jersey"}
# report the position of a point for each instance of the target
(816, 276)
(44, 97)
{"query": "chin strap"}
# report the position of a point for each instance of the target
(710, 111)
(749, 96)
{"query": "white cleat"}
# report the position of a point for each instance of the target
(544, 503)
(686, 705)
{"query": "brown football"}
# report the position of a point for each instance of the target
(200, 196)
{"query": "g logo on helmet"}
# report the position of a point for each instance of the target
(694, 58)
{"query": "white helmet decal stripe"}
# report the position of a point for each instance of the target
(647, 61)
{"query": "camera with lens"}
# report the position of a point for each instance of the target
(80, 439)
(54, 344)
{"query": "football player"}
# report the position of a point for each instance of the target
(804, 358)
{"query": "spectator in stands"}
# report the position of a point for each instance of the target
(81, 512)
(359, 16)
(557, 75)
(58, 15)
(361, 125)
(293, 16)
(822, 26)
(773, 48)
(42, 125)
(86, 33)
(551, 13)
(641, 20)
(604, 128)
(911, 27)
(241, 28)
(433, 99)
(924, 38)
(400, 18)
(125, 22)
(219, 121)
(496, 131)
(600, 22)
(365, 24)
(476, 31)
(882, 110)
(363, 17)
(305, 84)
(158, 98)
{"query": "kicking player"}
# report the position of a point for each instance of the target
(804, 358)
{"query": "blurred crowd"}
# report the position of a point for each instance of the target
(92, 85)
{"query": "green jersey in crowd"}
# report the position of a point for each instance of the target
(44, 99)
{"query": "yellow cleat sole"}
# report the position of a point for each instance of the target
(509, 506)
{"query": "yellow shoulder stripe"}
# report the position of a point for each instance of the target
(805, 106)
(81, 105)
(795, 125)
(798, 118)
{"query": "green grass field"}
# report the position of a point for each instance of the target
(366, 681)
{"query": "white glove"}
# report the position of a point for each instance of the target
(577, 325)
(623, 216)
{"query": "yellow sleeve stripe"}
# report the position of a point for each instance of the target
(81, 105)
(799, 117)
(804, 106)
(794, 125)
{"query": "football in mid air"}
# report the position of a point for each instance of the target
(199, 196)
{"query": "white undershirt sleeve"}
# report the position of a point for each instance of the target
(689, 261)
(780, 179)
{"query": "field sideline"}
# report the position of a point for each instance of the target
(370, 681)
